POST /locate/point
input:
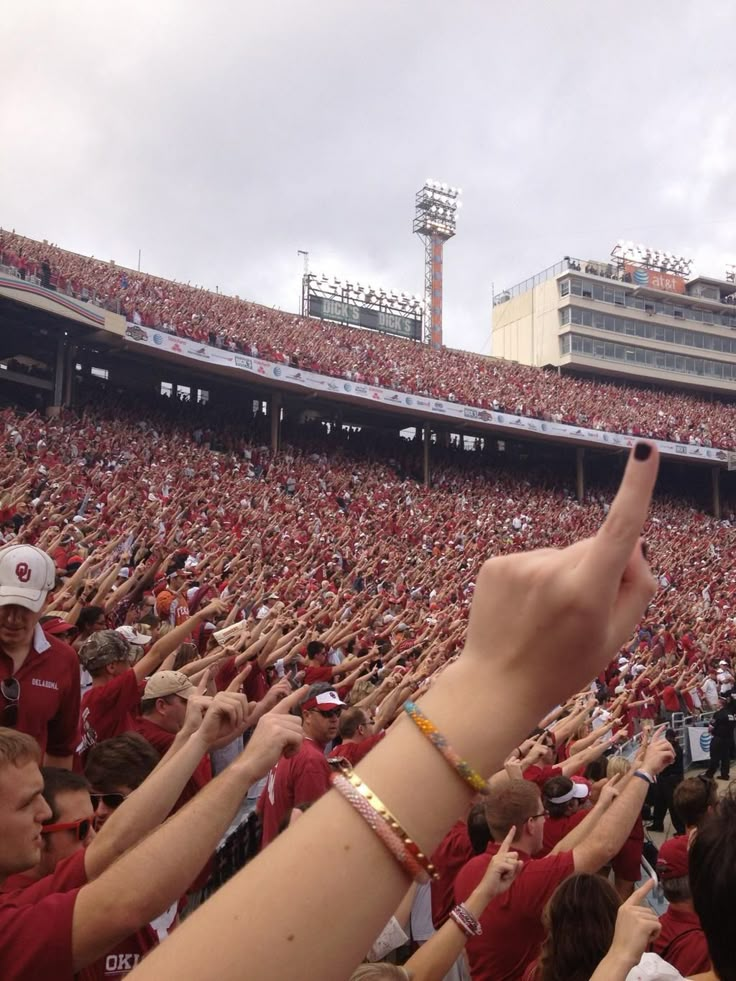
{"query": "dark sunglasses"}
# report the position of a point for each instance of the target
(110, 801)
(10, 689)
(80, 828)
(330, 713)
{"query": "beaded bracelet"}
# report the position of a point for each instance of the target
(393, 824)
(471, 777)
(376, 823)
(466, 921)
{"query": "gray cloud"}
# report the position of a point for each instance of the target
(221, 139)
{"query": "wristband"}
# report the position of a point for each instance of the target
(383, 812)
(646, 777)
(466, 921)
(463, 769)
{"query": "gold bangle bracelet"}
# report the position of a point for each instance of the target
(378, 805)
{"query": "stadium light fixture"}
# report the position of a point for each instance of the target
(435, 222)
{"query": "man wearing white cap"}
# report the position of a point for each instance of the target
(304, 777)
(39, 675)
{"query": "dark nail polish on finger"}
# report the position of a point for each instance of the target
(645, 551)
(642, 451)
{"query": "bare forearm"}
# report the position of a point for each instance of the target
(144, 809)
(114, 905)
(347, 851)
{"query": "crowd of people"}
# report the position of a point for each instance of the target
(189, 622)
(371, 357)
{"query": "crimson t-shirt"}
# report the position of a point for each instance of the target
(299, 779)
(354, 752)
(512, 922)
(161, 740)
(682, 942)
(36, 923)
(541, 774)
(448, 858)
(107, 710)
(555, 829)
(315, 672)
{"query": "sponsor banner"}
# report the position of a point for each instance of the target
(668, 282)
(699, 740)
(310, 380)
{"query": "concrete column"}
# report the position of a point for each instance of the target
(59, 372)
(580, 472)
(715, 477)
(274, 406)
(71, 354)
(427, 434)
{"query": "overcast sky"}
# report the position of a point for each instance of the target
(220, 138)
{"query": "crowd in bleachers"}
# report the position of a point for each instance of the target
(172, 590)
(373, 357)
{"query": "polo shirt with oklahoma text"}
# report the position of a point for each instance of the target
(48, 707)
(512, 922)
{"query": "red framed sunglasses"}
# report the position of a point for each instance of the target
(80, 828)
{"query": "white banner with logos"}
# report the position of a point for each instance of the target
(439, 409)
(699, 740)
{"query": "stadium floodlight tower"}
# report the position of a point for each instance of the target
(435, 221)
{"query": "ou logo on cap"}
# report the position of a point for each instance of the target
(23, 571)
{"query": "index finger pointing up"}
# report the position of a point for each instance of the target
(637, 897)
(619, 533)
(506, 843)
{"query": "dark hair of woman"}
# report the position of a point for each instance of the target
(570, 953)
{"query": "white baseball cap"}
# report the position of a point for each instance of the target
(133, 637)
(26, 576)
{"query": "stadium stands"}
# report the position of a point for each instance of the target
(373, 357)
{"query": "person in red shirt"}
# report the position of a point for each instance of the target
(318, 669)
(304, 777)
(358, 737)
(163, 710)
(512, 923)
(39, 675)
(109, 707)
(565, 803)
(68, 828)
(59, 925)
(681, 941)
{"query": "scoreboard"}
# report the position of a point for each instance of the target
(384, 320)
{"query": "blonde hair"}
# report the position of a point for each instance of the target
(380, 972)
(617, 764)
(18, 748)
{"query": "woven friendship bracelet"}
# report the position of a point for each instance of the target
(471, 776)
(378, 805)
(380, 828)
(466, 921)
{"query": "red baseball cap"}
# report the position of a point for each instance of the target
(672, 861)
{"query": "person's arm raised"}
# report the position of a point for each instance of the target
(167, 644)
(614, 827)
(126, 895)
(434, 958)
(557, 615)
(572, 839)
(637, 926)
